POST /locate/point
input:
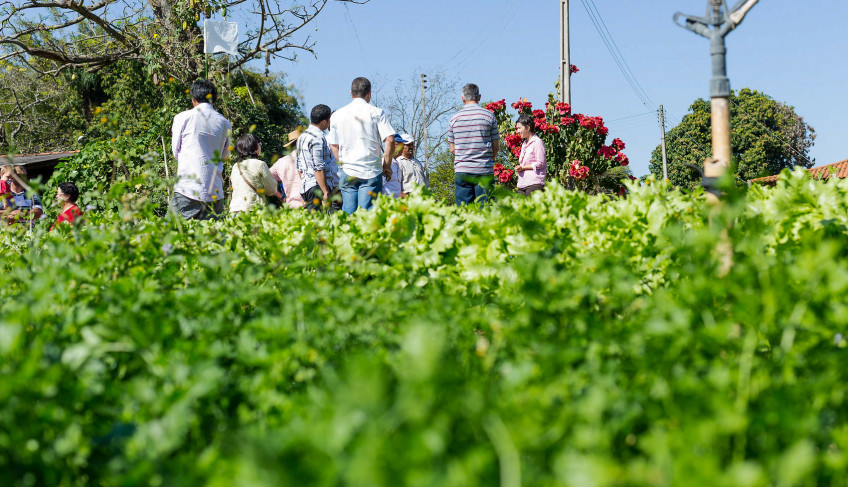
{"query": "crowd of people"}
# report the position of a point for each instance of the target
(342, 161)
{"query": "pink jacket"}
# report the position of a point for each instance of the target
(285, 171)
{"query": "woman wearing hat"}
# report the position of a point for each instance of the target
(285, 172)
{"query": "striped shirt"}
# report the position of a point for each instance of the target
(313, 154)
(472, 131)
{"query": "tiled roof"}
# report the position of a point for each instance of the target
(820, 172)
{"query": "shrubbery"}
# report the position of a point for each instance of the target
(563, 339)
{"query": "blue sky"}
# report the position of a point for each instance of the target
(792, 50)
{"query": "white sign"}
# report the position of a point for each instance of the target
(220, 37)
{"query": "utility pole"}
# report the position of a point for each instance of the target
(722, 20)
(564, 54)
(424, 121)
(662, 129)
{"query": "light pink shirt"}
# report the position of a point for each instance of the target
(532, 154)
(285, 171)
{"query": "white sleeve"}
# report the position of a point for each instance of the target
(383, 125)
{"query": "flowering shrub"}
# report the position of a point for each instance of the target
(505, 176)
(577, 154)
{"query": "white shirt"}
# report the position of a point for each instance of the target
(258, 174)
(414, 176)
(392, 186)
(200, 142)
(359, 130)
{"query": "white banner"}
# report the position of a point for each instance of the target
(220, 37)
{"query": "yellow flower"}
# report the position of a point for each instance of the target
(231, 148)
(171, 79)
(187, 91)
(104, 120)
(155, 36)
(126, 132)
(113, 139)
(316, 201)
(261, 190)
(209, 96)
(98, 110)
(214, 197)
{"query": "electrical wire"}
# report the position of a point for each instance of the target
(606, 38)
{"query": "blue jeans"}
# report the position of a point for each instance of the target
(358, 193)
(472, 188)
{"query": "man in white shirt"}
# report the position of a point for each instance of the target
(200, 142)
(357, 134)
(413, 175)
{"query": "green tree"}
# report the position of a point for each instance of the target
(767, 136)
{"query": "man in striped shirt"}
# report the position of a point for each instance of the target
(473, 137)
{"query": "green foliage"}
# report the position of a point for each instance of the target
(563, 339)
(442, 176)
(766, 137)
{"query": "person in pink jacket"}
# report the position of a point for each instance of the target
(285, 172)
(532, 165)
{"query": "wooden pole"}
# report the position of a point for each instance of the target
(424, 122)
(662, 129)
(720, 119)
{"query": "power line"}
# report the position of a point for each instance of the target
(463, 63)
(623, 60)
(618, 58)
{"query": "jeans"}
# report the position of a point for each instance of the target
(358, 193)
(472, 188)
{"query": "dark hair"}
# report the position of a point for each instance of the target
(203, 91)
(528, 121)
(360, 87)
(70, 189)
(471, 92)
(246, 147)
(319, 114)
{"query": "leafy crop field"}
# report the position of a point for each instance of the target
(563, 340)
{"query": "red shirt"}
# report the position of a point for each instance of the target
(68, 215)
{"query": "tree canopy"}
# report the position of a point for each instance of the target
(166, 35)
(767, 136)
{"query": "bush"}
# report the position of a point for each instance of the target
(561, 339)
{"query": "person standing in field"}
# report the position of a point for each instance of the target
(473, 138)
(21, 205)
(413, 175)
(532, 165)
(358, 132)
(316, 164)
(285, 172)
(250, 178)
(200, 143)
(67, 195)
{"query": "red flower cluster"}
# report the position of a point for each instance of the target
(574, 68)
(563, 108)
(522, 105)
(566, 121)
(620, 157)
(539, 113)
(577, 171)
(618, 143)
(504, 175)
(512, 140)
(606, 151)
(495, 105)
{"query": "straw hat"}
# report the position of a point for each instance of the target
(293, 136)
